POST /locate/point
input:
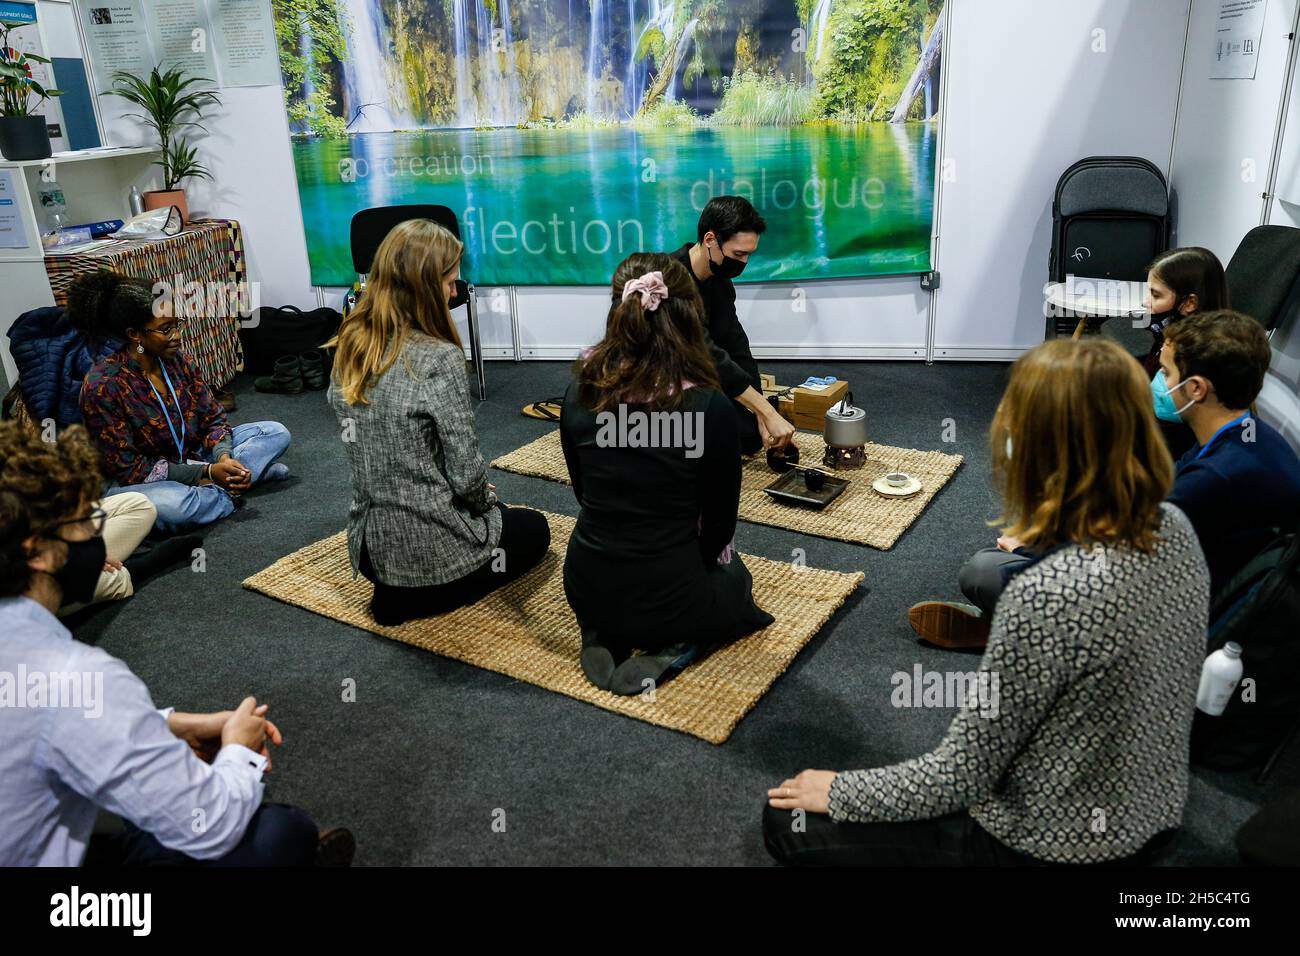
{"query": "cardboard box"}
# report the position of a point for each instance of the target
(805, 407)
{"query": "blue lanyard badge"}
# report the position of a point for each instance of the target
(1215, 437)
(179, 440)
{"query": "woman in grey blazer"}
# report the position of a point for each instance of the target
(425, 526)
(1070, 741)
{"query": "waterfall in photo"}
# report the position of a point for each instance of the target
(369, 100)
(496, 100)
(305, 48)
(513, 106)
(489, 71)
(597, 44)
(632, 84)
(466, 106)
(683, 45)
(821, 15)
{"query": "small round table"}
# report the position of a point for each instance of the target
(1101, 299)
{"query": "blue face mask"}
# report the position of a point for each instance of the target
(1163, 395)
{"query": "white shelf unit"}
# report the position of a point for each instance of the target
(96, 185)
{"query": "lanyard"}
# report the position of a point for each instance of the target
(1206, 447)
(180, 442)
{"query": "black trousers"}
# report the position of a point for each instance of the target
(952, 840)
(277, 835)
(525, 536)
(984, 576)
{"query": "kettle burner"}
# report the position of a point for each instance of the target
(846, 435)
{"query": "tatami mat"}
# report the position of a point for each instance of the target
(860, 515)
(527, 631)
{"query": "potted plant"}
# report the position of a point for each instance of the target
(168, 105)
(23, 134)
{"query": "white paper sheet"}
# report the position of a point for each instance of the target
(1236, 39)
(244, 41)
(182, 36)
(13, 233)
(117, 34)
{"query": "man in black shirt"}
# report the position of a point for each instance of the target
(728, 233)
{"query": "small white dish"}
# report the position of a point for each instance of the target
(889, 491)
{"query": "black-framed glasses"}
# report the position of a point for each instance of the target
(97, 515)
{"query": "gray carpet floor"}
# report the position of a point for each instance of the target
(437, 762)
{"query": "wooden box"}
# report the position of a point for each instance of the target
(804, 407)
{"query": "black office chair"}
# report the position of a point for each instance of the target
(370, 226)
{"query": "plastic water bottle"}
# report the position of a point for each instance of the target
(137, 202)
(54, 208)
(1219, 678)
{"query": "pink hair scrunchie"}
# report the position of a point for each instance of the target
(652, 287)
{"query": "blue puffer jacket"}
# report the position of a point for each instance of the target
(53, 359)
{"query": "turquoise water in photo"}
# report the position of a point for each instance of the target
(564, 206)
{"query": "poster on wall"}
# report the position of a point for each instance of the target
(245, 34)
(25, 37)
(1236, 39)
(13, 234)
(117, 38)
(182, 36)
(230, 42)
(567, 134)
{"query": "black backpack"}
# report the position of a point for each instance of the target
(1259, 609)
(1110, 218)
(285, 331)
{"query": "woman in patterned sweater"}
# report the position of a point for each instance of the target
(158, 428)
(1072, 744)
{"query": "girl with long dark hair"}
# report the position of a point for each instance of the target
(654, 454)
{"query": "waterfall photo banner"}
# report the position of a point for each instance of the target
(567, 134)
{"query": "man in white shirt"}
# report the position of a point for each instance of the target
(80, 731)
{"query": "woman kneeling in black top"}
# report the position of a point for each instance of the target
(654, 455)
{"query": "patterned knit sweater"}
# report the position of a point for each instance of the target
(1097, 657)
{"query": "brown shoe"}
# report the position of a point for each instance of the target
(337, 847)
(949, 624)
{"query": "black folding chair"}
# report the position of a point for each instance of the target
(370, 226)
(1263, 275)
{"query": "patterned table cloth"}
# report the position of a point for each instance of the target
(207, 251)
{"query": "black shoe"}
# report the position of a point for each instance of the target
(597, 662)
(287, 379)
(144, 563)
(638, 674)
(337, 847)
(314, 376)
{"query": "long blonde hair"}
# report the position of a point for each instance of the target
(403, 292)
(1087, 462)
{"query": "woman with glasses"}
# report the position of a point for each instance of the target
(159, 429)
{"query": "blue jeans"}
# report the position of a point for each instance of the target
(182, 508)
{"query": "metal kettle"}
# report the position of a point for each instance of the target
(846, 426)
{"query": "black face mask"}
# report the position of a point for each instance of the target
(728, 268)
(1159, 320)
(80, 573)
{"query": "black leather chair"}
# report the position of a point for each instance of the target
(370, 226)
